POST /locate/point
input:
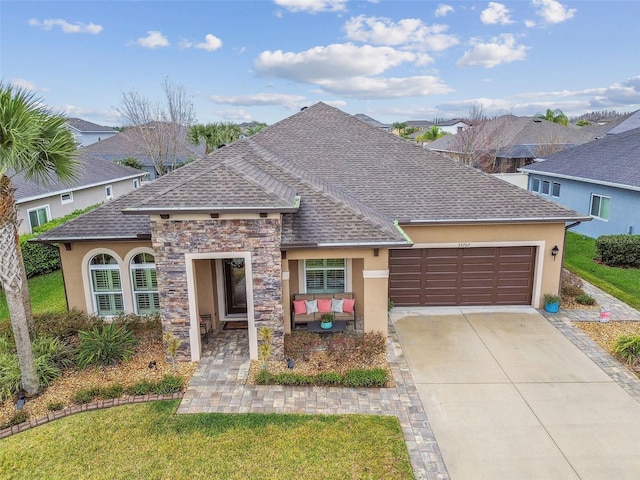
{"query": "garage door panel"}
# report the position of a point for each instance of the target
(467, 276)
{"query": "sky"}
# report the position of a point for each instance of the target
(242, 61)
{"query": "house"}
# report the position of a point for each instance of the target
(506, 143)
(600, 179)
(86, 133)
(319, 202)
(455, 125)
(373, 122)
(146, 142)
(98, 181)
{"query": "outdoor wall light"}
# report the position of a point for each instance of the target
(554, 252)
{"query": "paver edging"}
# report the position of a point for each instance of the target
(85, 407)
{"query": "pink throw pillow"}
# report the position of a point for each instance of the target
(348, 305)
(300, 307)
(324, 305)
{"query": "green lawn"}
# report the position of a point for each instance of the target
(47, 295)
(148, 440)
(622, 283)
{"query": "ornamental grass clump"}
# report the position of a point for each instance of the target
(627, 349)
(108, 344)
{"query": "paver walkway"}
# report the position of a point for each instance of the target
(218, 384)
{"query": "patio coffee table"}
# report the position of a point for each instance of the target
(338, 326)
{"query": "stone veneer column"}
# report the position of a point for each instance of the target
(172, 239)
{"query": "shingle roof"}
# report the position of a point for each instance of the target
(371, 121)
(127, 144)
(88, 127)
(614, 159)
(91, 171)
(353, 181)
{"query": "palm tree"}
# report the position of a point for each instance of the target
(214, 135)
(430, 135)
(254, 129)
(555, 116)
(34, 142)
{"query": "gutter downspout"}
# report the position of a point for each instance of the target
(566, 229)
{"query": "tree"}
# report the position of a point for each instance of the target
(159, 129)
(555, 116)
(254, 129)
(430, 135)
(34, 142)
(132, 162)
(214, 135)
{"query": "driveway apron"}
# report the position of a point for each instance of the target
(510, 397)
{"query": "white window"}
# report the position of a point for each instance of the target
(555, 189)
(545, 187)
(108, 190)
(38, 216)
(136, 183)
(535, 185)
(66, 198)
(600, 207)
(325, 275)
(106, 286)
(144, 284)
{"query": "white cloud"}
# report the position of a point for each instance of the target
(260, 100)
(65, 26)
(26, 85)
(331, 62)
(312, 6)
(553, 11)
(153, 39)
(529, 23)
(211, 43)
(368, 87)
(443, 10)
(495, 13)
(409, 32)
(239, 115)
(335, 103)
(101, 117)
(502, 49)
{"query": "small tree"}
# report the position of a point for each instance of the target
(430, 135)
(172, 345)
(214, 135)
(555, 116)
(265, 334)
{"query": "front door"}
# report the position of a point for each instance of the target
(235, 286)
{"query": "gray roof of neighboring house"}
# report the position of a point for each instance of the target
(371, 121)
(88, 127)
(352, 180)
(128, 144)
(91, 171)
(516, 133)
(448, 123)
(418, 123)
(613, 160)
(629, 122)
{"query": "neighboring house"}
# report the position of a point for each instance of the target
(133, 143)
(86, 133)
(600, 179)
(319, 202)
(373, 122)
(98, 181)
(509, 142)
(419, 124)
(455, 125)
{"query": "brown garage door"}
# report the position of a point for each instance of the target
(461, 276)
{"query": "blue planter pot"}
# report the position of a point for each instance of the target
(326, 325)
(552, 307)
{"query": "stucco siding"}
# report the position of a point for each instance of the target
(624, 213)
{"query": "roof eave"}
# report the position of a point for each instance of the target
(208, 210)
(467, 221)
(581, 179)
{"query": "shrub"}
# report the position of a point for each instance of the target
(141, 388)
(627, 349)
(46, 369)
(112, 391)
(16, 419)
(59, 352)
(86, 395)
(168, 384)
(365, 378)
(297, 345)
(585, 299)
(139, 323)
(341, 347)
(106, 345)
(55, 406)
(619, 250)
(9, 375)
(571, 284)
(63, 325)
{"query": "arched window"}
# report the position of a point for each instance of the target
(106, 285)
(145, 284)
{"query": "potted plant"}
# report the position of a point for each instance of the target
(551, 302)
(326, 320)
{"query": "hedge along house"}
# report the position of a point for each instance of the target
(319, 202)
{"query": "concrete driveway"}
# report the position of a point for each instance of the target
(509, 397)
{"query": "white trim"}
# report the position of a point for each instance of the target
(302, 274)
(108, 188)
(127, 261)
(375, 273)
(63, 201)
(580, 179)
(39, 207)
(86, 279)
(538, 262)
(285, 276)
(194, 330)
